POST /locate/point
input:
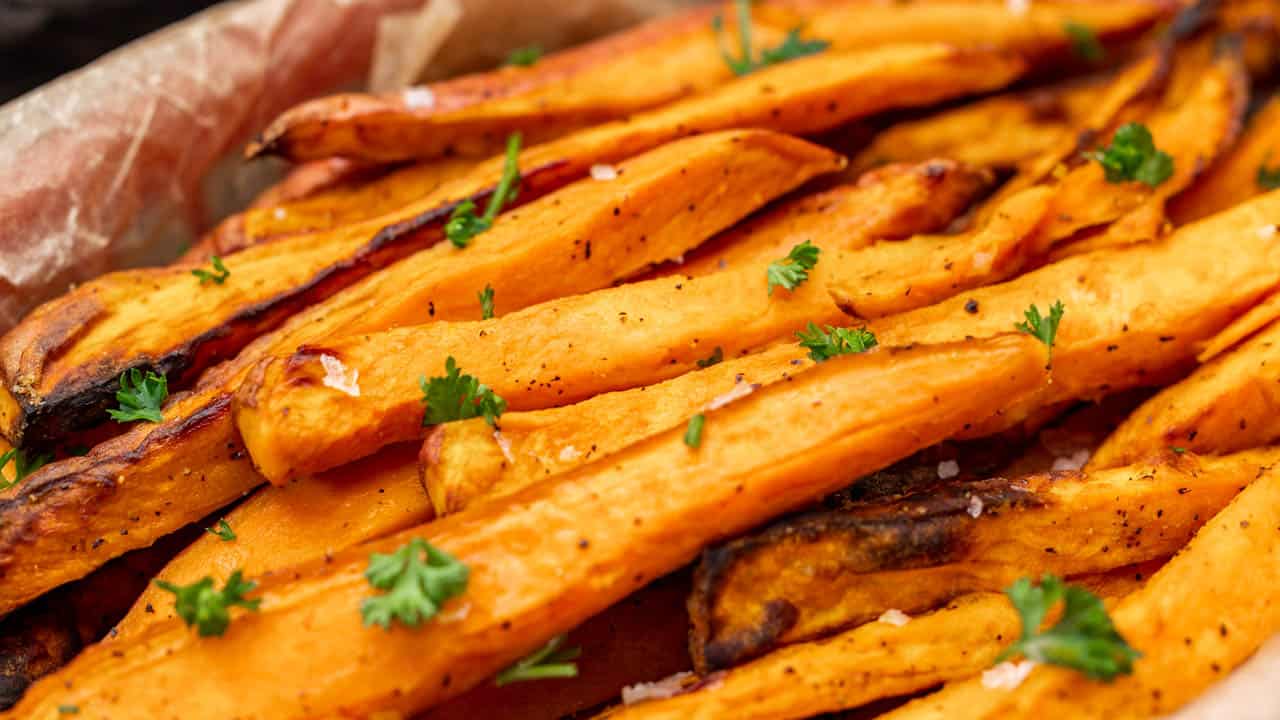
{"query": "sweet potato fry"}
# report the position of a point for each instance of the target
(890, 203)
(1206, 611)
(283, 526)
(1124, 327)
(79, 503)
(870, 662)
(1234, 177)
(58, 378)
(462, 461)
(806, 577)
(575, 532)
(358, 195)
(806, 95)
(615, 77)
(1224, 406)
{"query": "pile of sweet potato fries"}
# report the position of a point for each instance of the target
(774, 359)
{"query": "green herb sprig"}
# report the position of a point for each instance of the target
(222, 531)
(525, 56)
(418, 579)
(1133, 155)
(1085, 42)
(464, 224)
(219, 274)
(1083, 639)
(826, 344)
(693, 434)
(458, 397)
(199, 604)
(486, 302)
(1268, 178)
(792, 47)
(550, 661)
(791, 272)
(23, 465)
(1044, 329)
(140, 397)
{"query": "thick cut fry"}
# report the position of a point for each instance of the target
(462, 461)
(551, 354)
(1124, 325)
(655, 64)
(1000, 132)
(1202, 614)
(889, 203)
(1234, 177)
(586, 539)
(68, 516)
(283, 526)
(1228, 405)
(806, 95)
(359, 195)
(54, 361)
(806, 577)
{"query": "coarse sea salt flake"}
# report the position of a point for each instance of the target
(504, 445)
(1266, 232)
(1018, 7)
(948, 469)
(1007, 675)
(667, 687)
(569, 453)
(975, 506)
(1074, 461)
(894, 617)
(279, 213)
(738, 392)
(336, 376)
(604, 172)
(419, 98)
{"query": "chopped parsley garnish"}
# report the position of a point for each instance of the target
(715, 358)
(1133, 156)
(207, 609)
(458, 397)
(464, 224)
(486, 302)
(1083, 639)
(693, 435)
(68, 710)
(547, 662)
(1044, 329)
(525, 56)
(1268, 177)
(223, 531)
(418, 578)
(791, 48)
(792, 270)
(826, 344)
(218, 276)
(23, 465)
(140, 396)
(1178, 450)
(1084, 42)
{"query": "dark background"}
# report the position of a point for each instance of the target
(42, 39)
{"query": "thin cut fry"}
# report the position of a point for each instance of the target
(805, 577)
(587, 539)
(1206, 611)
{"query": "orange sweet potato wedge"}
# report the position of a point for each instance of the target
(806, 577)
(1201, 615)
(180, 332)
(74, 509)
(570, 529)
(1236, 176)
(615, 77)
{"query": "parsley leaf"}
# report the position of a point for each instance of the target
(219, 276)
(824, 345)
(693, 435)
(68, 709)
(200, 605)
(547, 662)
(464, 224)
(1044, 329)
(793, 270)
(486, 302)
(22, 466)
(1084, 42)
(1268, 177)
(224, 531)
(1083, 639)
(525, 56)
(418, 578)
(791, 48)
(458, 397)
(1133, 156)
(716, 357)
(1178, 450)
(140, 397)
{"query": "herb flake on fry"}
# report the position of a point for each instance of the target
(547, 662)
(418, 579)
(207, 609)
(140, 397)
